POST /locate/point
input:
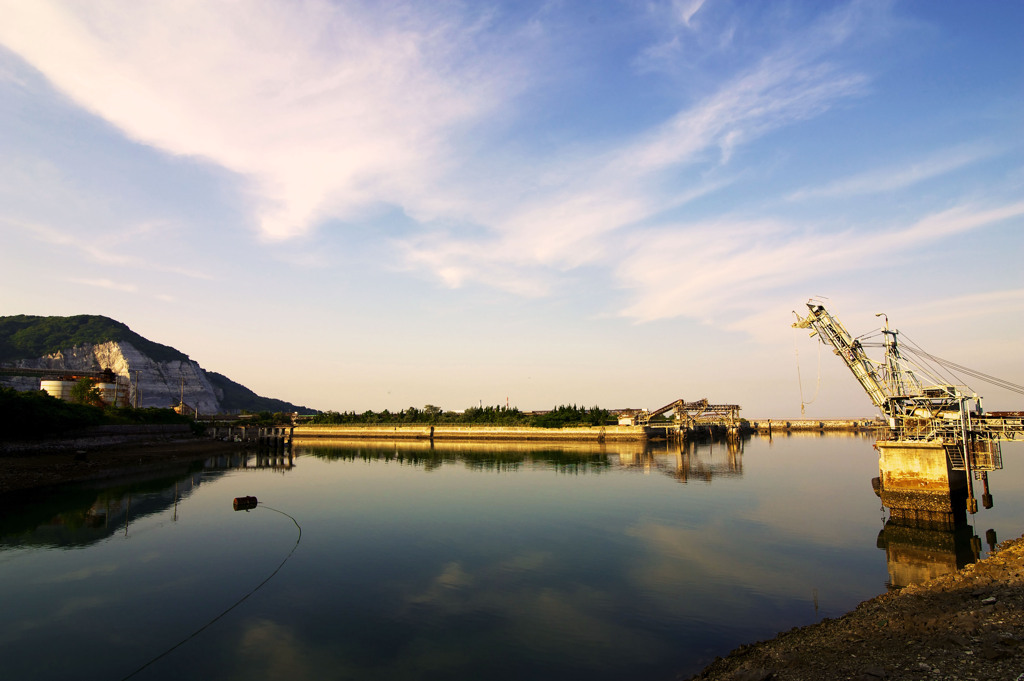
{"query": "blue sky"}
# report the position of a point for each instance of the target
(380, 205)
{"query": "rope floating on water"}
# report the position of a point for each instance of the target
(246, 504)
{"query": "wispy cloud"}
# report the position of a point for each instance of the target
(1001, 303)
(684, 10)
(718, 269)
(953, 221)
(782, 90)
(110, 252)
(895, 178)
(328, 108)
(565, 220)
(334, 110)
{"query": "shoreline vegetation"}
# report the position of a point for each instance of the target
(560, 417)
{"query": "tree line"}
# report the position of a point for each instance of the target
(562, 416)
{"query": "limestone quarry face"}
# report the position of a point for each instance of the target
(157, 384)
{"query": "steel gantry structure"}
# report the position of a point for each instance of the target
(692, 415)
(906, 385)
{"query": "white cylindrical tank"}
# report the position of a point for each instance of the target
(59, 389)
(108, 392)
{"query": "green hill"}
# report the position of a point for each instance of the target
(30, 336)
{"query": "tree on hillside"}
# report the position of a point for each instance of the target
(85, 392)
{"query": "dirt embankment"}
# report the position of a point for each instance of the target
(963, 626)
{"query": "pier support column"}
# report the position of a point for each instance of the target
(917, 485)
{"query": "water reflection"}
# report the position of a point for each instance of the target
(918, 551)
(277, 461)
(683, 461)
(562, 457)
(78, 515)
(870, 435)
(918, 554)
(686, 461)
(462, 560)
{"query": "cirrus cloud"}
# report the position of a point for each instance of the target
(326, 107)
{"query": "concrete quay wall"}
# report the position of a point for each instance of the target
(581, 434)
(102, 436)
(765, 425)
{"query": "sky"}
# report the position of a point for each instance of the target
(366, 205)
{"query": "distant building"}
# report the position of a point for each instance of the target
(185, 410)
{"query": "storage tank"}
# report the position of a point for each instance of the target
(108, 392)
(59, 389)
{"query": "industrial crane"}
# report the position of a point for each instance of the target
(688, 414)
(918, 404)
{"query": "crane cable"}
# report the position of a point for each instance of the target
(973, 373)
(799, 379)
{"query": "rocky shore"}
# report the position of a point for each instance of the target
(964, 626)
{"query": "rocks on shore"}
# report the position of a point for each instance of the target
(963, 626)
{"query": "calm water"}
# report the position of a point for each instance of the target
(461, 561)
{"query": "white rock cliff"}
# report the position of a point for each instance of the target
(160, 384)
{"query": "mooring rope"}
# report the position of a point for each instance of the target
(233, 606)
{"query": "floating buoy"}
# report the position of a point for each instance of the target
(244, 503)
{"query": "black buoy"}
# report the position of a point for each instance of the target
(244, 503)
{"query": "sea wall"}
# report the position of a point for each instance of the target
(766, 425)
(102, 436)
(582, 434)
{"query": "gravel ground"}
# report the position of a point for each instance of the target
(965, 625)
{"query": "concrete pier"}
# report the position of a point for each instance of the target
(918, 485)
(265, 437)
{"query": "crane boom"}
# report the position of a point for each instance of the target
(850, 350)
